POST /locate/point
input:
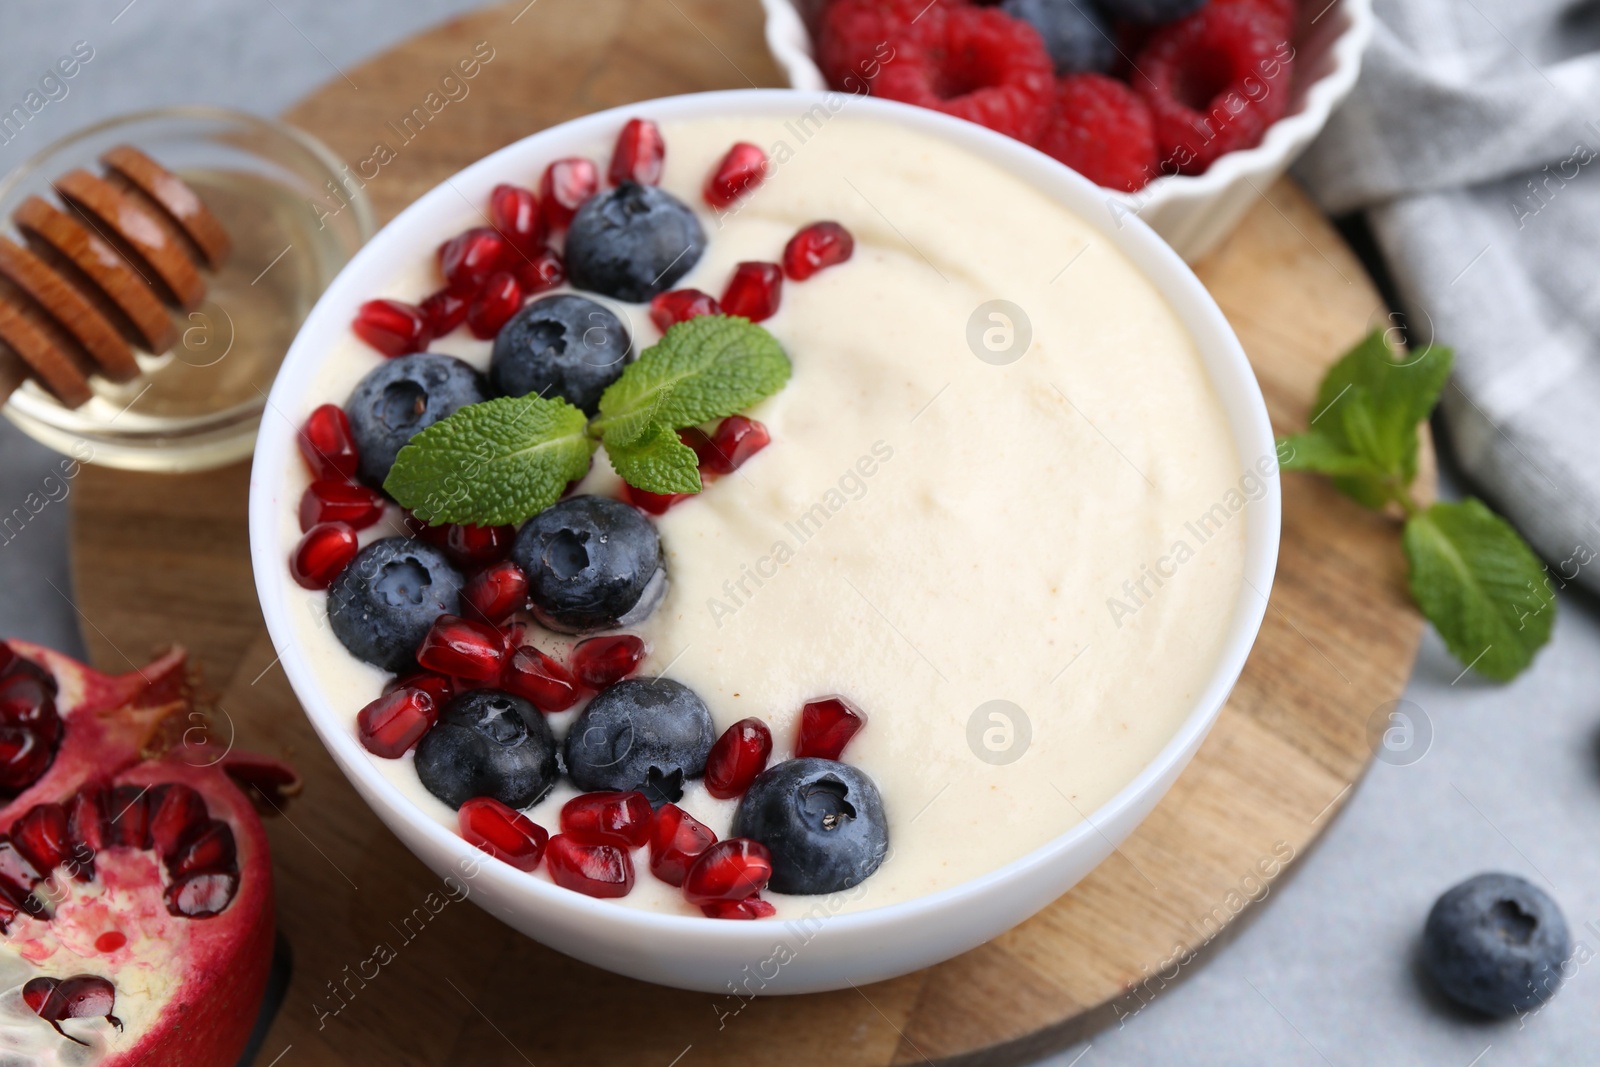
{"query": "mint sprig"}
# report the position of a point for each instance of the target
(504, 460)
(1472, 575)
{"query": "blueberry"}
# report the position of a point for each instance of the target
(1074, 33)
(564, 345)
(1496, 943)
(650, 734)
(632, 242)
(402, 398)
(382, 604)
(822, 821)
(1149, 12)
(488, 744)
(593, 563)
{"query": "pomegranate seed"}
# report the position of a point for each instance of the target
(434, 535)
(392, 327)
(26, 701)
(462, 648)
(696, 438)
(129, 809)
(826, 726)
(24, 757)
(203, 894)
(566, 184)
(681, 305)
(439, 686)
(42, 838)
(468, 259)
(820, 245)
(736, 439)
(652, 503)
(475, 546)
(604, 661)
(540, 680)
(323, 552)
(339, 501)
(110, 941)
(87, 821)
(493, 307)
(175, 812)
(739, 755)
(14, 868)
(741, 170)
(640, 154)
(15, 900)
(328, 445)
(505, 834)
(754, 292)
(392, 724)
(542, 270)
(497, 592)
(515, 213)
(733, 869)
(607, 816)
(594, 869)
(445, 311)
(676, 841)
(210, 849)
(83, 996)
(749, 908)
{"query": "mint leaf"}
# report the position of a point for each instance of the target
(493, 463)
(1481, 586)
(1371, 402)
(657, 462)
(1318, 452)
(703, 369)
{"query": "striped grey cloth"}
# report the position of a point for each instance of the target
(1473, 143)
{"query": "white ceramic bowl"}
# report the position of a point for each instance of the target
(1193, 213)
(692, 952)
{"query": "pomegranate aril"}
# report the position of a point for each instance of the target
(495, 593)
(392, 327)
(88, 828)
(826, 726)
(818, 246)
(176, 813)
(467, 260)
(736, 439)
(604, 661)
(210, 849)
(652, 503)
(15, 868)
(540, 680)
(83, 996)
(42, 838)
(28, 702)
(514, 211)
(680, 305)
(565, 185)
(324, 551)
(462, 648)
(202, 894)
(676, 841)
(475, 546)
(502, 832)
(734, 869)
(749, 908)
(36, 993)
(328, 445)
(622, 818)
(434, 535)
(639, 155)
(24, 757)
(493, 307)
(696, 438)
(441, 687)
(340, 501)
(389, 726)
(15, 900)
(445, 310)
(596, 870)
(738, 756)
(542, 270)
(741, 170)
(129, 809)
(754, 292)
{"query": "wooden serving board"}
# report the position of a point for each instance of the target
(163, 558)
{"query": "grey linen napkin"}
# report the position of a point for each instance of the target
(1472, 142)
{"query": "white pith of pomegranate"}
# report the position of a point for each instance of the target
(160, 883)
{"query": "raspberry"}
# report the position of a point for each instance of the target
(1214, 82)
(855, 38)
(1102, 130)
(978, 64)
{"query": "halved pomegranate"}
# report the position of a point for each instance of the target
(136, 904)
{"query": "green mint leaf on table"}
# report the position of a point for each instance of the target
(1481, 585)
(703, 369)
(493, 463)
(657, 462)
(1475, 579)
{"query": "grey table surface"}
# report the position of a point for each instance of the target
(1324, 974)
